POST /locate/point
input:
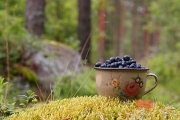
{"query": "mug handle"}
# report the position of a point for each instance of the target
(155, 84)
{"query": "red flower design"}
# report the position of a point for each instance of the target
(131, 89)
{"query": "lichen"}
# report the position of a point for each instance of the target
(96, 108)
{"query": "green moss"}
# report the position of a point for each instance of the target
(96, 108)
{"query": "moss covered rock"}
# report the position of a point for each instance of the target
(97, 108)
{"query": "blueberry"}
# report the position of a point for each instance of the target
(113, 65)
(117, 59)
(133, 65)
(108, 62)
(142, 67)
(112, 59)
(138, 65)
(116, 64)
(128, 62)
(98, 64)
(103, 65)
(119, 63)
(133, 61)
(108, 65)
(120, 66)
(126, 58)
(123, 63)
(127, 66)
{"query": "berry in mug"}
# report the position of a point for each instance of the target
(118, 62)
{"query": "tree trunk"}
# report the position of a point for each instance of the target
(58, 15)
(35, 16)
(157, 34)
(102, 17)
(134, 37)
(84, 28)
(116, 25)
(146, 42)
(122, 27)
(146, 35)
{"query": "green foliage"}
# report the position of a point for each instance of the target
(5, 109)
(2, 85)
(81, 84)
(26, 72)
(165, 14)
(166, 67)
(61, 24)
(162, 93)
(19, 40)
(30, 97)
(163, 66)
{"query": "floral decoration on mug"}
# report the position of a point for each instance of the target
(115, 82)
(129, 91)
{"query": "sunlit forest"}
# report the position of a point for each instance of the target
(49, 47)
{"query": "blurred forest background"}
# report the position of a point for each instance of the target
(147, 30)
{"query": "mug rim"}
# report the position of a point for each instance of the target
(99, 68)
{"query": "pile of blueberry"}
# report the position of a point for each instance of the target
(117, 62)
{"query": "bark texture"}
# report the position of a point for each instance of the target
(35, 16)
(84, 28)
(102, 18)
(122, 27)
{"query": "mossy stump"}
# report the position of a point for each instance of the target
(97, 108)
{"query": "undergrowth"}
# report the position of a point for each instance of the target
(6, 108)
(97, 108)
(83, 83)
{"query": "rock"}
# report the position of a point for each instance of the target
(51, 62)
(21, 85)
